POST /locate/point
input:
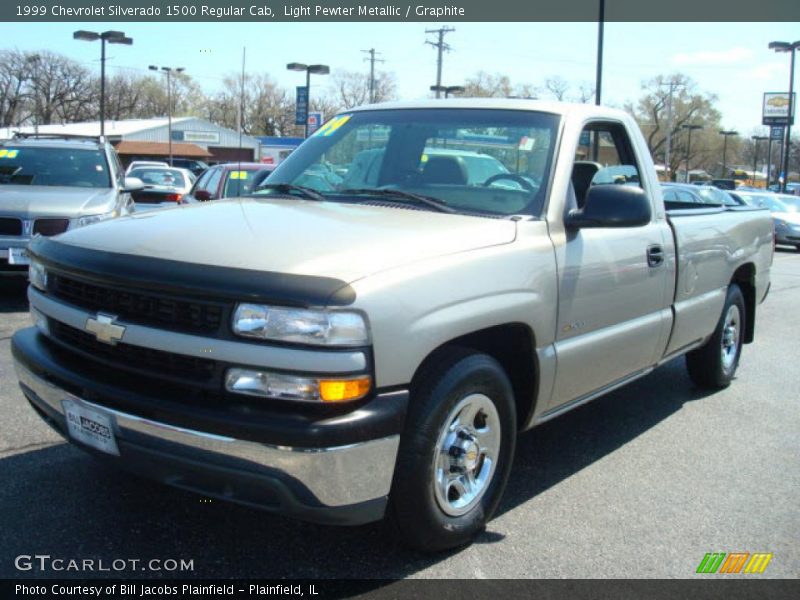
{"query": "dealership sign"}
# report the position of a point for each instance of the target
(301, 106)
(775, 110)
(202, 137)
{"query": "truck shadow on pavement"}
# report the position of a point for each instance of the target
(13, 296)
(60, 502)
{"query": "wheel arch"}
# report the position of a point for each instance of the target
(745, 278)
(513, 345)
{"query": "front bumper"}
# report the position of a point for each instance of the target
(346, 483)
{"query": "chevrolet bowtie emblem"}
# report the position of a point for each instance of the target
(105, 329)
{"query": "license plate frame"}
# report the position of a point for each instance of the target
(90, 426)
(18, 256)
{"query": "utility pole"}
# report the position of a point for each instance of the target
(372, 60)
(668, 142)
(598, 82)
(441, 46)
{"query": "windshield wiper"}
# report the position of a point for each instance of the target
(288, 188)
(400, 195)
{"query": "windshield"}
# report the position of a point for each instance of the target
(241, 183)
(71, 167)
(768, 201)
(713, 195)
(159, 176)
(472, 160)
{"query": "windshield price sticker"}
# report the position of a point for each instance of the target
(9, 153)
(238, 174)
(331, 126)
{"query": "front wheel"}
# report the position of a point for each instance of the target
(713, 365)
(456, 452)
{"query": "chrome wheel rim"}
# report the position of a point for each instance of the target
(466, 454)
(731, 330)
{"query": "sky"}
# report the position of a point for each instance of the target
(730, 60)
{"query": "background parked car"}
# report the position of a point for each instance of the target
(144, 163)
(49, 184)
(163, 186)
(678, 193)
(195, 166)
(229, 180)
(785, 211)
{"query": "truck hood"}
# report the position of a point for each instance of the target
(789, 217)
(345, 241)
(32, 201)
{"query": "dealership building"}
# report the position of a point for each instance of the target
(192, 138)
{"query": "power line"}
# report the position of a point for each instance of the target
(440, 46)
(372, 60)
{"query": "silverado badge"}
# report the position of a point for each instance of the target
(105, 329)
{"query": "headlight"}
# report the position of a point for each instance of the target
(302, 326)
(84, 221)
(266, 384)
(780, 223)
(37, 275)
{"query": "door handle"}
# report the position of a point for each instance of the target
(655, 256)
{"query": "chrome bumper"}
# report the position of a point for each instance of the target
(333, 477)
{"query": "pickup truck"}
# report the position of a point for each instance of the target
(348, 352)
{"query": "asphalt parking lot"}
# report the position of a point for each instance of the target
(641, 483)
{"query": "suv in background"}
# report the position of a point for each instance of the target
(51, 183)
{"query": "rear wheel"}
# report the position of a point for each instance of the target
(455, 454)
(714, 364)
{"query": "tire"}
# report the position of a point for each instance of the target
(462, 400)
(713, 365)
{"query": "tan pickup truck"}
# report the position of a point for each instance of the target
(367, 334)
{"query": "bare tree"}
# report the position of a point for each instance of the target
(15, 87)
(690, 106)
(351, 88)
(557, 87)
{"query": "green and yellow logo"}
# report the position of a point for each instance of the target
(734, 562)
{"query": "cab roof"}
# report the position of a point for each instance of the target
(556, 108)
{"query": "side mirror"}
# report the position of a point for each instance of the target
(132, 184)
(202, 195)
(611, 206)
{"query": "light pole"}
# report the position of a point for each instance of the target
(112, 37)
(448, 89)
(168, 72)
(725, 135)
(756, 139)
(309, 69)
(789, 47)
(690, 128)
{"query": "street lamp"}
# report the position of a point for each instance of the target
(309, 69)
(448, 89)
(725, 135)
(168, 72)
(790, 48)
(689, 146)
(756, 139)
(112, 37)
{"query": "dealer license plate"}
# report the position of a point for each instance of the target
(18, 256)
(90, 426)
